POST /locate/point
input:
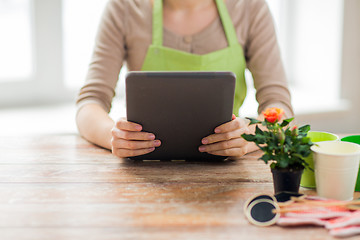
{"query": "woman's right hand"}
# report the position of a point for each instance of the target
(128, 140)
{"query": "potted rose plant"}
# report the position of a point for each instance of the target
(284, 146)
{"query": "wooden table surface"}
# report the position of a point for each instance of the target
(62, 187)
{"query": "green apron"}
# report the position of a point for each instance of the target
(231, 58)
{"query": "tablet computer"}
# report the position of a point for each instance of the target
(180, 108)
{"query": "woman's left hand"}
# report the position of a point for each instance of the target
(227, 140)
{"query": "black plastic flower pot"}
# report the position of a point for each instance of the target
(286, 180)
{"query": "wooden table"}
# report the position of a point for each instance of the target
(62, 187)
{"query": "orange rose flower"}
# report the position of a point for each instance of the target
(274, 114)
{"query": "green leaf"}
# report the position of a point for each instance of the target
(306, 140)
(249, 137)
(304, 129)
(286, 122)
(297, 155)
(253, 121)
(283, 164)
(258, 131)
(273, 165)
(265, 158)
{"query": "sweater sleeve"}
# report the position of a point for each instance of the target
(107, 59)
(264, 60)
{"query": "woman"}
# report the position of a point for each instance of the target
(181, 35)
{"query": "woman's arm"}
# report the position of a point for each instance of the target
(125, 139)
(264, 61)
(95, 96)
(95, 125)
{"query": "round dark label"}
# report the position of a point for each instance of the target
(260, 212)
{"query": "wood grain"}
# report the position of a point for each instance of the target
(62, 187)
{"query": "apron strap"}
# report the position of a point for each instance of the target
(157, 23)
(227, 23)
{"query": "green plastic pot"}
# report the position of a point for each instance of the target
(354, 139)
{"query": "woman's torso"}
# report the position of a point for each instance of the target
(139, 33)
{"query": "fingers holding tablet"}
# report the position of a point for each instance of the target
(128, 140)
(227, 140)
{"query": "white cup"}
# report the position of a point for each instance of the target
(336, 169)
